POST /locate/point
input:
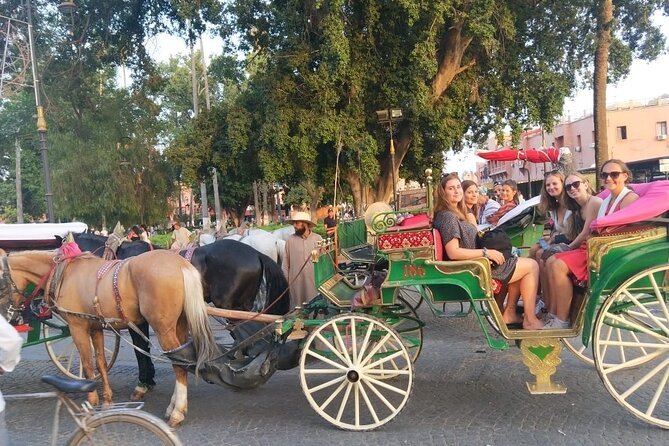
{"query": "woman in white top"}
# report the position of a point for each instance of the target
(553, 203)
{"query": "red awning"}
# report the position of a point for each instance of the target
(549, 155)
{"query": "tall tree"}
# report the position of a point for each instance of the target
(625, 30)
(325, 67)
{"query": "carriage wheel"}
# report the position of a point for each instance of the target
(357, 278)
(411, 295)
(64, 354)
(631, 345)
(409, 326)
(575, 345)
(345, 372)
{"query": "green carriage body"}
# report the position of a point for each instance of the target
(614, 258)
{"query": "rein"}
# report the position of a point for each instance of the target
(27, 301)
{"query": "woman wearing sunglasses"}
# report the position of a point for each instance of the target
(615, 175)
(459, 239)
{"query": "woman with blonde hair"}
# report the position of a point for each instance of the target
(561, 266)
(459, 240)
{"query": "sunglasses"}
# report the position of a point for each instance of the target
(614, 175)
(575, 185)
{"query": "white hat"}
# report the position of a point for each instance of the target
(301, 216)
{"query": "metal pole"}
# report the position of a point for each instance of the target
(19, 192)
(41, 120)
(392, 160)
(217, 201)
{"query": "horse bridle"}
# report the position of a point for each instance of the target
(7, 288)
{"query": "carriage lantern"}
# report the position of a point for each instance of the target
(386, 118)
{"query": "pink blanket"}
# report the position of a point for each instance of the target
(653, 201)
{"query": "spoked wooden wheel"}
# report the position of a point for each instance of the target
(631, 345)
(411, 295)
(407, 324)
(64, 354)
(356, 372)
(575, 345)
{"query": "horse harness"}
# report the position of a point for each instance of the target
(55, 282)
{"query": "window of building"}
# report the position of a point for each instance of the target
(661, 129)
(621, 132)
(578, 140)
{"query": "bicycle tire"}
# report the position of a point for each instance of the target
(119, 426)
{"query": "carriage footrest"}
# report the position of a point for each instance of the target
(542, 356)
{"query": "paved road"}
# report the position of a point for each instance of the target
(464, 394)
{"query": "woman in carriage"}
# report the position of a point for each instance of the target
(459, 239)
(574, 263)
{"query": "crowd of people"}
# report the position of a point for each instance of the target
(555, 261)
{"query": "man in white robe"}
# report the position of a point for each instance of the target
(297, 265)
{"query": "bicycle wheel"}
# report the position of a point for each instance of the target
(116, 427)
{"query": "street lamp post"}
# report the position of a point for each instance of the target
(387, 117)
(41, 120)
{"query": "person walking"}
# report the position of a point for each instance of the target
(297, 265)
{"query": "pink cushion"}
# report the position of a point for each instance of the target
(653, 201)
(419, 221)
(438, 245)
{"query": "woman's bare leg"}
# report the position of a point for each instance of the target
(527, 275)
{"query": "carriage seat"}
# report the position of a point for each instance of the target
(438, 245)
(413, 223)
(405, 240)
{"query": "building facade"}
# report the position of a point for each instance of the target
(637, 134)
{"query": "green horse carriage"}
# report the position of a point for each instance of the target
(358, 349)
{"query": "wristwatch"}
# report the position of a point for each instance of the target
(485, 252)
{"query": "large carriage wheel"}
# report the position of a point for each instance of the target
(409, 326)
(64, 354)
(575, 345)
(411, 294)
(356, 372)
(631, 345)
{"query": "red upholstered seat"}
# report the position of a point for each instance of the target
(438, 246)
(404, 240)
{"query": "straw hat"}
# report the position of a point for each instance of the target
(301, 216)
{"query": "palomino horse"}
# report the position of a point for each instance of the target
(234, 276)
(89, 293)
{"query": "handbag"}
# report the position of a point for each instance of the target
(495, 239)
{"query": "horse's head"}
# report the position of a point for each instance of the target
(12, 282)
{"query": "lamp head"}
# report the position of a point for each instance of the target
(67, 8)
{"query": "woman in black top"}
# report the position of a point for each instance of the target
(459, 239)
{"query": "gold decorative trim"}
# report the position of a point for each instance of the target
(478, 268)
(542, 356)
(600, 245)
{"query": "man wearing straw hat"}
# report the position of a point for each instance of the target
(296, 264)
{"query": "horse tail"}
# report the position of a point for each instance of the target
(276, 285)
(196, 315)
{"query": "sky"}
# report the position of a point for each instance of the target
(646, 80)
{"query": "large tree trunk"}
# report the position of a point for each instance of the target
(604, 24)
(383, 190)
(315, 193)
(451, 51)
